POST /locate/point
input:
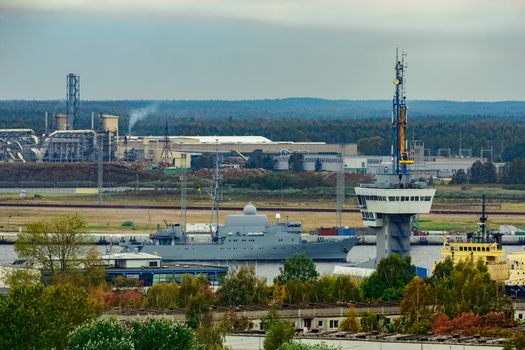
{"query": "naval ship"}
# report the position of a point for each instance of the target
(247, 236)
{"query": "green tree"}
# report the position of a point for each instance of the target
(459, 177)
(38, 317)
(21, 277)
(56, 244)
(299, 267)
(515, 343)
(416, 306)
(318, 165)
(350, 323)
(242, 287)
(369, 322)
(278, 334)
(483, 173)
(295, 162)
(514, 172)
(163, 295)
(468, 288)
(390, 278)
(210, 336)
(161, 334)
(101, 334)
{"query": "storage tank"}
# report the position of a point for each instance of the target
(61, 121)
(109, 122)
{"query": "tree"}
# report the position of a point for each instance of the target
(295, 162)
(369, 322)
(459, 178)
(242, 287)
(515, 343)
(209, 335)
(513, 152)
(299, 267)
(482, 173)
(161, 334)
(278, 334)
(101, 334)
(163, 295)
(38, 317)
(350, 323)
(514, 172)
(318, 165)
(467, 287)
(416, 306)
(390, 278)
(56, 244)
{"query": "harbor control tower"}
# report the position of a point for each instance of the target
(388, 205)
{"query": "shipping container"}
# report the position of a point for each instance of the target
(346, 232)
(327, 231)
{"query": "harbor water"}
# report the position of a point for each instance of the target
(423, 256)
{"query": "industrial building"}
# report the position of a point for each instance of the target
(18, 145)
(72, 146)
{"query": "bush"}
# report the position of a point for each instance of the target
(128, 223)
(278, 334)
(160, 333)
(100, 334)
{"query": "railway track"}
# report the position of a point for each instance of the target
(171, 207)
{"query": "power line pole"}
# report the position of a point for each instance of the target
(340, 188)
(100, 162)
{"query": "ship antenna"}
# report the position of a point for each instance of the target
(215, 195)
(483, 219)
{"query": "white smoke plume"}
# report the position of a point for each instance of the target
(140, 113)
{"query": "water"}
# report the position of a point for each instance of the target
(423, 256)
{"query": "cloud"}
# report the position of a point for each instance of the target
(431, 15)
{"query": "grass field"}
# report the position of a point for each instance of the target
(111, 220)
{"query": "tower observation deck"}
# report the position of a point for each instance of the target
(388, 205)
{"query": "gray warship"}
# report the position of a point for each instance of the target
(244, 237)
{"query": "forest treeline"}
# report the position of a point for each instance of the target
(440, 124)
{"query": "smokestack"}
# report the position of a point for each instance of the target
(45, 124)
(92, 120)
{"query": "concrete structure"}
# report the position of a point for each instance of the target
(388, 208)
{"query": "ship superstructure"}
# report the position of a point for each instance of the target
(388, 205)
(481, 244)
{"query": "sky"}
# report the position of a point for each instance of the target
(255, 49)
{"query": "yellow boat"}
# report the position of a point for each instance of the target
(479, 245)
(490, 252)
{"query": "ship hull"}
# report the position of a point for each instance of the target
(323, 250)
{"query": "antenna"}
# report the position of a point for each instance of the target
(400, 155)
(216, 195)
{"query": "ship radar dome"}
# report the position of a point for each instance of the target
(249, 209)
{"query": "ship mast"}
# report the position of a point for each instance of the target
(215, 193)
(399, 151)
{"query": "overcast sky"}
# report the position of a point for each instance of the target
(248, 49)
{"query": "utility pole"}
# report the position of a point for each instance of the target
(340, 187)
(183, 197)
(100, 162)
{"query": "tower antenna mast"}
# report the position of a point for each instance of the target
(400, 154)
